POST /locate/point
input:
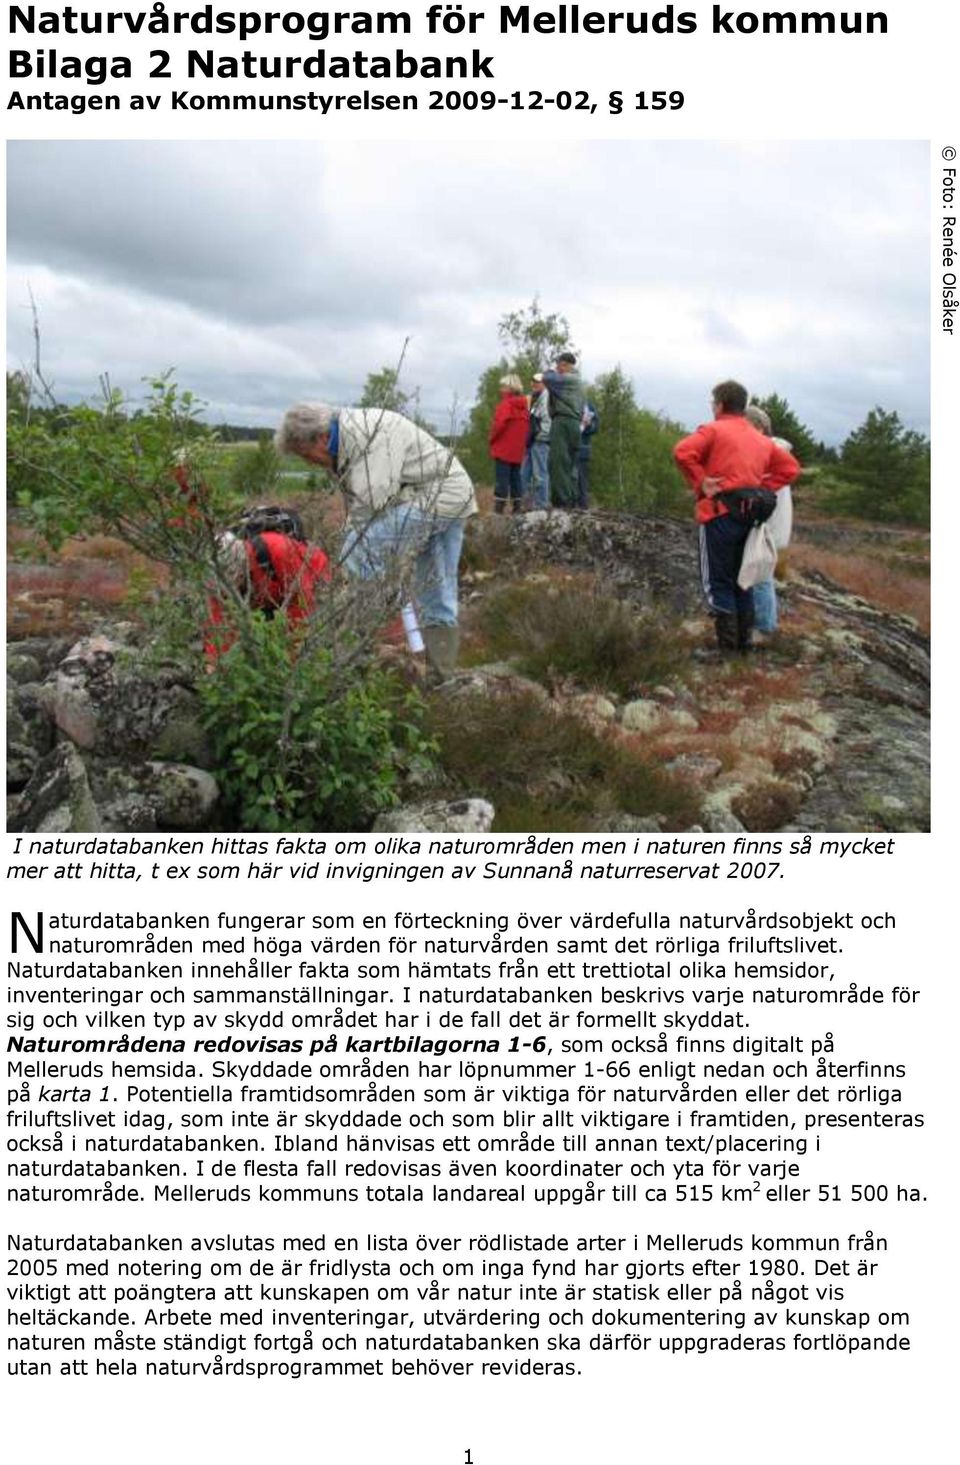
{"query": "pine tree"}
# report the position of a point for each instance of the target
(785, 423)
(886, 468)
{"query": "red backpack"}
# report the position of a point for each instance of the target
(284, 574)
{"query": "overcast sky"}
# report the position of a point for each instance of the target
(269, 273)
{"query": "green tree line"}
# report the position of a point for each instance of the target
(880, 472)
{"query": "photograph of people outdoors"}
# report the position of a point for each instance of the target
(566, 490)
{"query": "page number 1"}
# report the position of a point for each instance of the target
(467, 1458)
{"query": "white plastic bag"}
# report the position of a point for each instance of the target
(759, 558)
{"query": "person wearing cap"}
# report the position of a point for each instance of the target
(408, 500)
(565, 391)
(718, 461)
(779, 526)
(508, 444)
(536, 467)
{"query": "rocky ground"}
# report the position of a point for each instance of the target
(826, 729)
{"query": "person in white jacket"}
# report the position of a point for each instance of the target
(779, 526)
(408, 499)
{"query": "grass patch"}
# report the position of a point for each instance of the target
(577, 634)
(546, 769)
(897, 589)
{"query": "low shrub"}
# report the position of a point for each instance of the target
(544, 768)
(255, 470)
(579, 634)
(767, 806)
(299, 744)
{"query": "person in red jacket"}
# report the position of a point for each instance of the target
(508, 443)
(274, 571)
(722, 461)
(193, 511)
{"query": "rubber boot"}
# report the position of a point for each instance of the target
(727, 632)
(745, 620)
(442, 645)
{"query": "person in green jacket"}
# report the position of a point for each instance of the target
(566, 410)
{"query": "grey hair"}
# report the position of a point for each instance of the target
(511, 384)
(303, 424)
(758, 417)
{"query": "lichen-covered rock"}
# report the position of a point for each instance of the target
(30, 733)
(22, 667)
(78, 688)
(642, 560)
(879, 779)
(646, 716)
(593, 706)
(799, 734)
(45, 651)
(106, 702)
(182, 737)
(184, 797)
(633, 824)
(137, 797)
(57, 799)
(128, 811)
(457, 816)
(718, 818)
(502, 681)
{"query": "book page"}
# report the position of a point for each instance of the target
(478, 912)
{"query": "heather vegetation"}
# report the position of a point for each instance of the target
(576, 632)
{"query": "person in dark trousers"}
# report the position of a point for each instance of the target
(508, 444)
(566, 411)
(589, 423)
(721, 458)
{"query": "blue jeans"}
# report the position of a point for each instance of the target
(765, 606)
(403, 537)
(721, 554)
(536, 475)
